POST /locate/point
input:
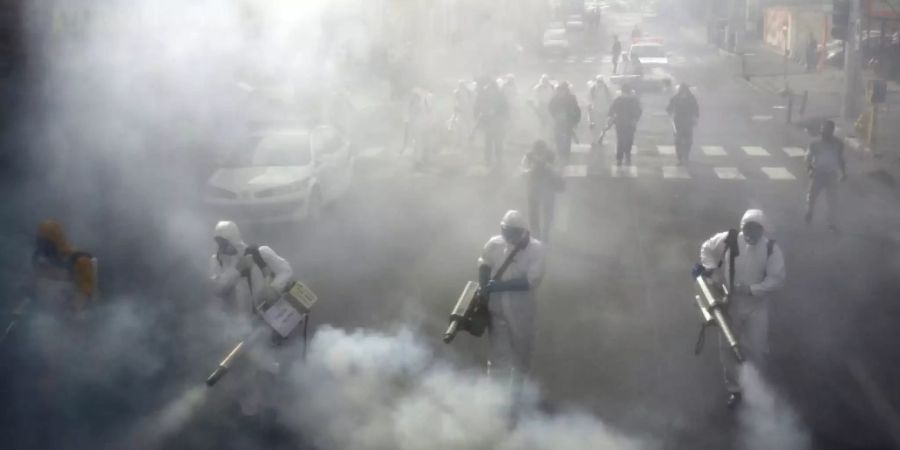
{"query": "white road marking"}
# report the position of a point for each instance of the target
(761, 118)
(606, 59)
(574, 171)
(778, 173)
(666, 149)
(581, 148)
(571, 59)
(728, 173)
(795, 152)
(676, 172)
(588, 60)
(713, 150)
(624, 172)
(752, 150)
(562, 216)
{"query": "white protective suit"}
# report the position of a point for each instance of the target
(512, 313)
(543, 93)
(241, 293)
(764, 274)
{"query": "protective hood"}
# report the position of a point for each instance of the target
(52, 231)
(757, 216)
(514, 219)
(230, 232)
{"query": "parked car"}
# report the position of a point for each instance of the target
(289, 175)
(555, 41)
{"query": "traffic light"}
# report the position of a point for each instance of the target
(840, 19)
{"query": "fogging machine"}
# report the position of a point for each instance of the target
(282, 315)
(470, 312)
(711, 300)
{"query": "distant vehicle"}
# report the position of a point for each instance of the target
(651, 53)
(289, 175)
(869, 42)
(575, 22)
(555, 41)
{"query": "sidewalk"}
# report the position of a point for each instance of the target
(764, 69)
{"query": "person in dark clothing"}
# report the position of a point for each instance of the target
(491, 114)
(624, 113)
(544, 183)
(812, 53)
(685, 111)
(566, 114)
(616, 53)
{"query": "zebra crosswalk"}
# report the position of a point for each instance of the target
(728, 163)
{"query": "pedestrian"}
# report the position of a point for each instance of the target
(624, 114)
(510, 92)
(826, 167)
(543, 184)
(636, 33)
(512, 299)
(812, 53)
(752, 266)
(566, 114)
(543, 93)
(461, 122)
(491, 114)
(418, 125)
(684, 110)
(616, 53)
(65, 279)
(243, 279)
(598, 93)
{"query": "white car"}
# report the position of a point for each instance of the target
(575, 23)
(651, 54)
(555, 41)
(288, 176)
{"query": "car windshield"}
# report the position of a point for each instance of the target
(284, 149)
(648, 51)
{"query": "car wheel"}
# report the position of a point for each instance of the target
(314, 207)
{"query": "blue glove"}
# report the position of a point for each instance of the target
(698, 270)
(518, 284)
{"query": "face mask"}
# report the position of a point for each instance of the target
(752, 232)
(512, 235)
(45, 247)
(224, 247)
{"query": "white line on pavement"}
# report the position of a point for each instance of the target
(778, 173)
(624, 172)
(728, 173)
(676, 172)
(666, 149)
(761, 118)
(753, 150)
(573, 171)
(713, 150)
(562, 215)
(795, 152)
(581, 148)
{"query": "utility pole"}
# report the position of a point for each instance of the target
(852, 65)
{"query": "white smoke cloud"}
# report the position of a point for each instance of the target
(767, 421)
(364, 390)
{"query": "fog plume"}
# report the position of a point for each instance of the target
(362, 390)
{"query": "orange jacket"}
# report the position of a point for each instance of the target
(80, 265)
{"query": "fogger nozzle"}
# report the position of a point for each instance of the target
(224, 365)
(451, 331)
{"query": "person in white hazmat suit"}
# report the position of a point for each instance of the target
(543, 93)
(512, 303)
(243, 278)
(759, 271)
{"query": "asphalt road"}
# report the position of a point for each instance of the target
(616, 324)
